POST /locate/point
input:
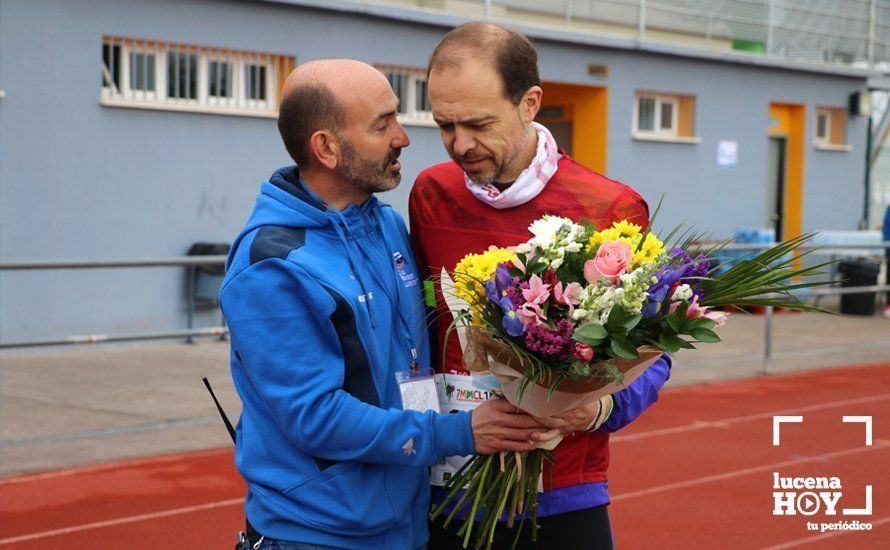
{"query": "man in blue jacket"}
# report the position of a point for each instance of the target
(885, 232)
(323, 301)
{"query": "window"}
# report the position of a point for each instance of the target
(410, 86)
(255, 77)
(142, 71)
(664, 117)
(219, 80)
(182, 75)
(831, 128)
(111, 66)
(160, 75)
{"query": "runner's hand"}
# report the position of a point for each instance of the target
(499, 426)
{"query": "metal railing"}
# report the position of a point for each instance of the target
(189, 262)
(834, 31)
(221, 331)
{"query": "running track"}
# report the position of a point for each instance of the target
(694, 472)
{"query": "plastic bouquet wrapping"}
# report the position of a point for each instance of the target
(576, 314)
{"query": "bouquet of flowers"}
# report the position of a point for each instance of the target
(575, 314)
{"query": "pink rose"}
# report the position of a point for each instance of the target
(583, 352)
(612, 260)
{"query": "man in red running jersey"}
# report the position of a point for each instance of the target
(507, 171)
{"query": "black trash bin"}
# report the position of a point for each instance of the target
(858, 272)
(207, 279)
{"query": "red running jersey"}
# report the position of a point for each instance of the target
(448, 222)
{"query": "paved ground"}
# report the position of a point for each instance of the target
(66, 407)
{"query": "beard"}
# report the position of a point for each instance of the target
(370, 175)
(499, 167)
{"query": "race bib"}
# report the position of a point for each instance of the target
(457, 392)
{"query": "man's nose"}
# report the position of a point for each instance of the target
(401, 140)
(463, 143)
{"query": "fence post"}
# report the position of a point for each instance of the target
(768, 340)
(192, 276)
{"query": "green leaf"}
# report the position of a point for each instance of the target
(673, 342)
(623, 347)
(536, 267)
(591, 331)
(516, 272)
(631, 322)
(701, 322)
(592, 342)
(683, 343)
(617, 317)
(704, 335)
(675, 322)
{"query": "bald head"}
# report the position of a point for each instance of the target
(508, 52)
(323, 95)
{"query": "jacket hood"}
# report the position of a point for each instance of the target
(286, 201)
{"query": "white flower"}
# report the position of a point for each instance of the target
(579, 314)
(683, 292)
(556, 263)
(573, 247)
(545, 229)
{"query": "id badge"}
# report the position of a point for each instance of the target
(418, 390)
(457, 392)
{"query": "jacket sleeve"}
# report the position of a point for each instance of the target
(282, 330)
(630, 402)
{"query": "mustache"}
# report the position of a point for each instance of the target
(393, 155)
(459, 158)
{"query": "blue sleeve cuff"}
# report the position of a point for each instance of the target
(629, 403)
(454, 434)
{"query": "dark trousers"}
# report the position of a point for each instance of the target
(583, 529)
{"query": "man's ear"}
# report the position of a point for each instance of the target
(325, 149)
(531, 103)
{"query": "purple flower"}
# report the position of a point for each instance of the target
(682, 268)
(551, 343)
(512, 324)
(502, 277)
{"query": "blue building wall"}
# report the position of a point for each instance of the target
(79, 180)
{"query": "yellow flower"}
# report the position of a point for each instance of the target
(627, 229)
(473, 270)
(629, 233)
(650, 250)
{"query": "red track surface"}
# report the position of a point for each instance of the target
(696, 471)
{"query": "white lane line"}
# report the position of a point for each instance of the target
(111, 465)
(742, 472)
(819, 538)
(121, 521)
(699, 425)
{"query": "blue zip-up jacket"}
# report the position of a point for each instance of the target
(324, 307)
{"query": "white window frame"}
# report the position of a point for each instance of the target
(259, 61)
(198, 67)
(660, 100)
(235, 104)
(216, 100)
(126, 51)
(412, 115)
